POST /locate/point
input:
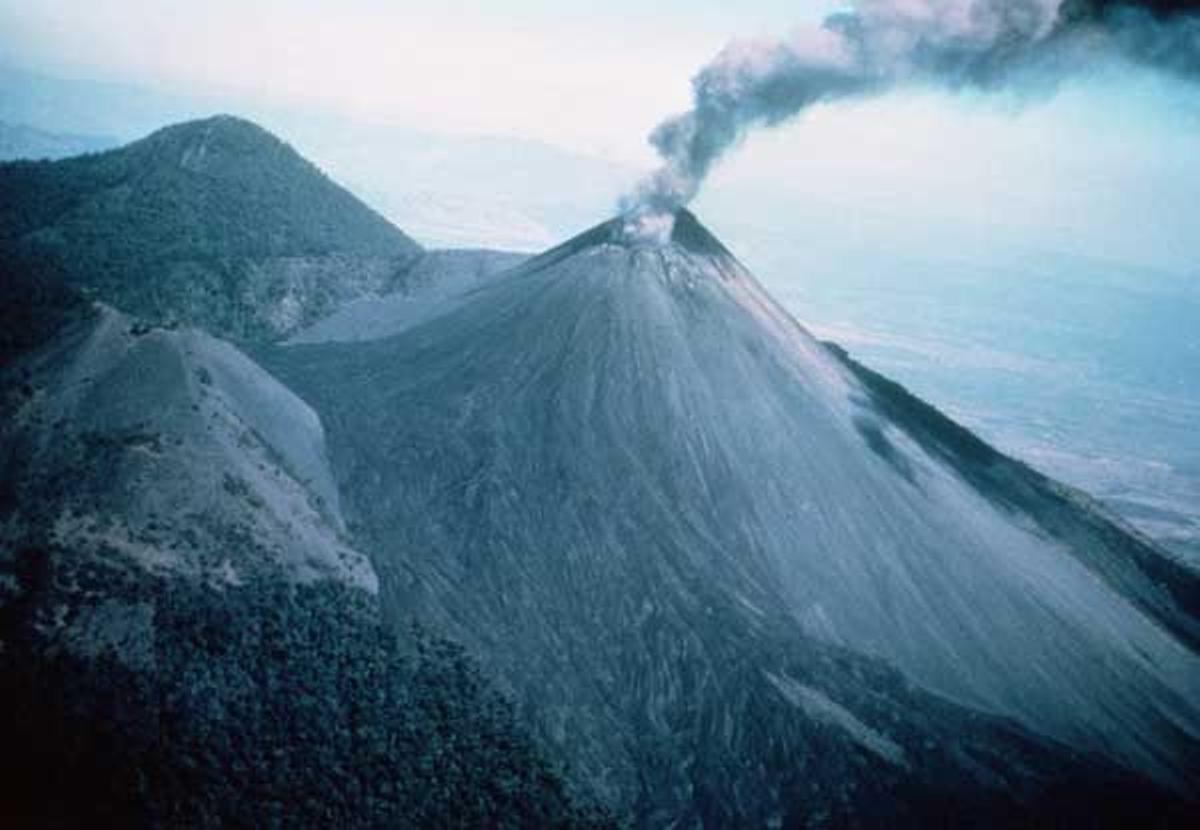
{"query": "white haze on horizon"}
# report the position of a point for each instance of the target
(461, 66)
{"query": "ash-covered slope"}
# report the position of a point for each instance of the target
(214, 223)
(174, 449)
(187, 639)
(436, 283)
(733, 575)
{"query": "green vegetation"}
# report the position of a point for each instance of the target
(35, 302)
(264, 705)
(172, 227)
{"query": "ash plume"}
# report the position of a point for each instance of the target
(882, 44)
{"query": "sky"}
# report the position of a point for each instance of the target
(594, 76)
(1109, 162)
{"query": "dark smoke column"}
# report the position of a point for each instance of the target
(1095, 9)
(1164, 34)
(881, 44)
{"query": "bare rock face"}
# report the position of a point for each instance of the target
(738, 579)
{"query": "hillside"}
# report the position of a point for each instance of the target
(169, 447)
(213, 223)
(736, 579)
(187, 637)
(436, 283)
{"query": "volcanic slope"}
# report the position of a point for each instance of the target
(186, 637)
(733, 575)
(436, 283)
(172, 448)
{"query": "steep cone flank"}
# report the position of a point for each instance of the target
(683, 530)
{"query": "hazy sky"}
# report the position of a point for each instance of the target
(593, 75)
(1111, 161)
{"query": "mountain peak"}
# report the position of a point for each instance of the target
(687, 235)
(211, 145)
(214, 222)
(222, 121)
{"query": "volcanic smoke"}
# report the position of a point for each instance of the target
(882, 44)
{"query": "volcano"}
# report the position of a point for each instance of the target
(733, 577)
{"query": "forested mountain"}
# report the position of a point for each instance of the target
(215, 223)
